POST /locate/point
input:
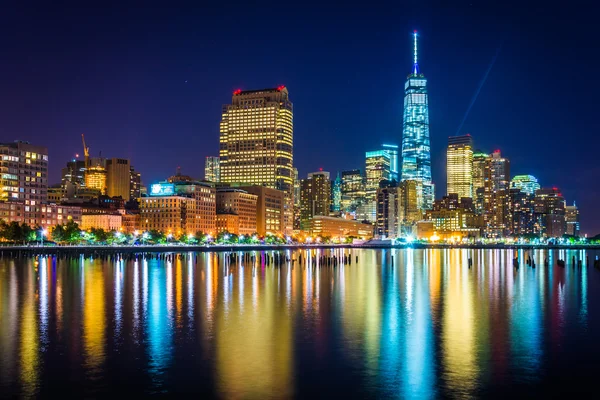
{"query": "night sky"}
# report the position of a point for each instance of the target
(148, 83)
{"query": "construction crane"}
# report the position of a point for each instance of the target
(86, 151)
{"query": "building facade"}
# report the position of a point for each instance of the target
(549, 213)
(256, 142)
(459, 166)
(135, 184)
(321, 225)
(231, 201)
(572, 219)
(212, 169)
(118, 178)
(270, 209)
(527, 183)
(416, 156)
(315, 197)
(24, 177)
(392, 151)
(108, 222)
(352, 190)
(497, 195)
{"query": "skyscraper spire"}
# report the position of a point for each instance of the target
(415, 65)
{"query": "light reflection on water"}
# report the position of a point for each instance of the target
(399, 323)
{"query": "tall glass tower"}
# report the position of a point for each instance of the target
(416, 157)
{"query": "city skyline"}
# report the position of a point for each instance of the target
(494, 127)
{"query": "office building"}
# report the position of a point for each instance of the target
(389, 211)
(74, 174)
(169, 214)
(315, 197)
(108, 222)
(459, 166)
(296, 189)
(416, 157)
(572, 219)
(336, 194)
(270, 209)
(212, 169)
(392, 151)
(352, 190)
(193, 203)
(527, 183)
(479, 162)
(118, 178)
(239, 203)
(256, 142)
(96, 176)
(135, 184)
(339, 228)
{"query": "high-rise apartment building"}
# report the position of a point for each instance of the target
(572, 218)
(315, 197)
(521, 213)
(212, 169)
(496, 195)
(459, 166)
(118, 178)
(416, 157)
(24, 176)
(256, 142)
(549, 212)
(527, 183)
(392, 150)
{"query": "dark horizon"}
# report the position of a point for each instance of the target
(148, 84)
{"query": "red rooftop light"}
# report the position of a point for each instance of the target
(280, 87)
(496, 151)
(237, 91)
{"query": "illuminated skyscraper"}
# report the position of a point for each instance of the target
(527, 183)
(336, 194)
(118, 177)
(459, 166)
(377, 169)
(479, 162)
(353, 189)
(392, 150)
(256, 143)
(212, 169)
(315, 197)
(572, 218)
(496, 195)
(416, 157)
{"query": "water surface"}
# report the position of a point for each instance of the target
(395, 324)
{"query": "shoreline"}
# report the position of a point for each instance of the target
(236, 248)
